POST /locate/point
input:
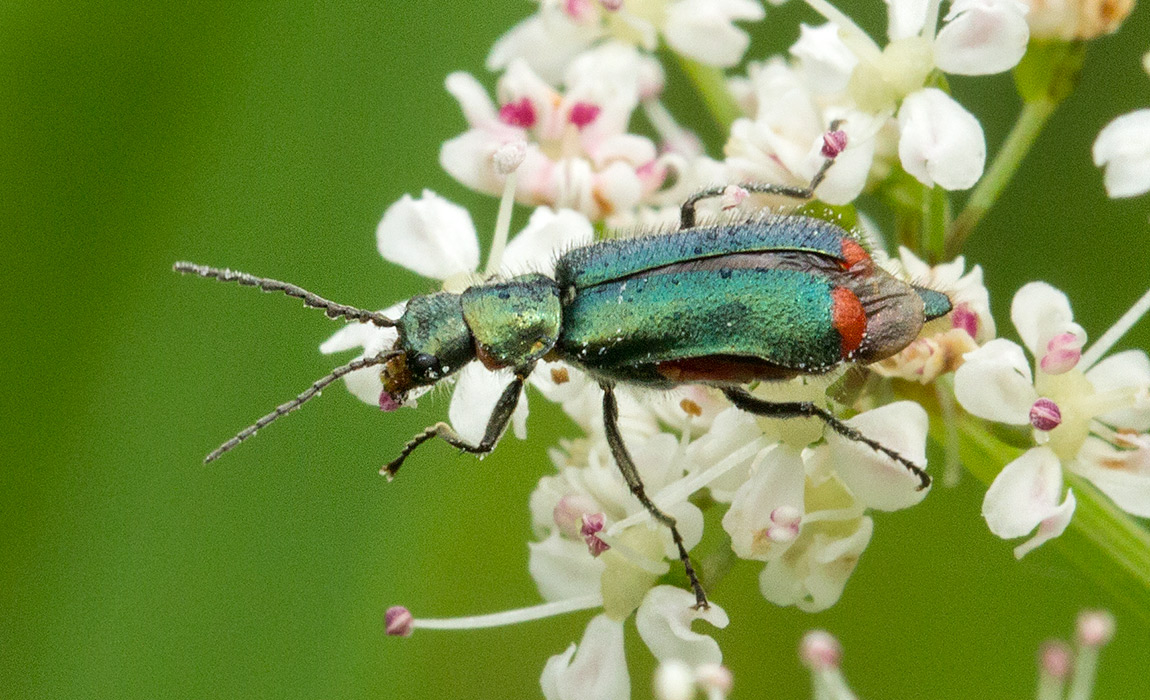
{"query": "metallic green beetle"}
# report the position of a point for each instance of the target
(766, 299)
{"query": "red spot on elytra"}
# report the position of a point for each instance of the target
(849, 319)
(853, 253)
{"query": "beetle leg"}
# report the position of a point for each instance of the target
(687, 213)
(635, 483)
(742, 399)
(500, 417)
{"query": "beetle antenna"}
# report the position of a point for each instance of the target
(311, 392)
(332, 309)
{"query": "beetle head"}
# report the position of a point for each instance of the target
(434, 343)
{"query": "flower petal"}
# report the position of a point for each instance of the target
(705, 30)
(824, 59)
(1123, 475)
(905, 18)
(1023, 494)
(874, 478)
(430, 236)
(563, 568)
(664, 622)
(1040, 312)
(547, 235)
(939, 141)
(476, 393)
(1051, 526)
(812, 574)
(982, 37)
(775, 486)
(994, 382)
(365, 383)
(1125, 370)
(1123, 148)
(598, 670)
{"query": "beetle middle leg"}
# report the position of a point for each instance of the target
(496, 424)
(687, 213)
(635, 483)
(742, 399)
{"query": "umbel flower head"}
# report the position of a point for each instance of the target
(1089, 415)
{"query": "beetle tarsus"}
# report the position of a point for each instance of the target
(795, 409)
(496, 424)
(635, 483)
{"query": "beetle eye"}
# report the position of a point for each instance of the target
(425, 361)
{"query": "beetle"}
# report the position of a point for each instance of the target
(764, 299)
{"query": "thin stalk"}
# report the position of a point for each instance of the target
(935, 219)
(1023, 134)
(712, 86)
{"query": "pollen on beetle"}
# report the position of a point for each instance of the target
(560, 375)
(691, 408)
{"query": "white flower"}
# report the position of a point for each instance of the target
(579, 154)
(664, 622)
(939, 141)
(1089, 417)
(1123, 149)
(437, 239)
(1076, 20)
(942, 343)
(700, 29)
(598, 669)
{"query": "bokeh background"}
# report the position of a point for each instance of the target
(270, 136)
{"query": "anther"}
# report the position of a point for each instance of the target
(387, 402)
(820, 651)
(519, 113)
(965, 319)
(583, 113)
(398, 621)
(1062, 353)
(834, 143)
(732, 197)
(691, 408)
(509, 157)
(569, 511)
(1045, 415)
(593, 523)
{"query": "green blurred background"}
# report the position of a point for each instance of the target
(270, 136)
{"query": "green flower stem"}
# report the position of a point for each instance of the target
(1046, 76)
(935, 219)
(712, 87)
(1023, 134)
(1108, 545)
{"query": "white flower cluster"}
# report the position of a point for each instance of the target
(793, 495)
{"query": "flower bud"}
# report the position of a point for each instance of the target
(820, 651)
(1095, 628)
(1072, 20)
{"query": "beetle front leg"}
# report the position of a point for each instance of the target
(500, 417)
(742, 399)
(635, 483)
(687, 213)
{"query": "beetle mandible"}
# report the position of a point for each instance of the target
(764, 299)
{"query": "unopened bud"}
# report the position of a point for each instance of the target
(715, 677)
(509, 157)
(1076, 19)
(1095, 628)
(398, 621)
(674, 681)
(732, 197)
(820, 651)
(1055, 660)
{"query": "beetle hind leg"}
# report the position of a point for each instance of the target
(687, 212)
(742, 399)
(635, 483)
(496, 424)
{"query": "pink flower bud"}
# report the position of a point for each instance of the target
(820, 651)
(1045, 415)
(1062, 353)
(1055, 660)
(715, 677)
(398, 621)
(387, 402)
(569, 511)
(1095, 628)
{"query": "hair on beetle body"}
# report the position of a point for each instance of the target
(721, 303)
